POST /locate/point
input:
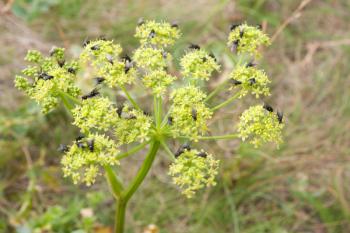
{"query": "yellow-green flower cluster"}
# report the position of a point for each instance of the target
(249, 79)
(158, 81)
(84, 158)
(258, 126)
(133, 125)
(151, 59)
(192, 172)
(189, 112)
(197, 64)
(247, 39)
(48, 78)
(159, 34)
(104, 57)
(94, 113)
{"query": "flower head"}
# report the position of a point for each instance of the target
(247, 39)
(194, 170)
(189, 112)
(198, 64)
(95, 113)
(47, 79)
(249, 79)
(84, 158)
(258, 126)
(158, 81)
(151, 59)
(154, 33)
(132, 125)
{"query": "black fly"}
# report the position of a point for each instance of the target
(93, 93)
(213, 56)
(120, 110)
(61, 63)
(233, 26)
(140, 21)
(91, 145)
(63, 148)
(194, 46)
(202, 154)
(99, 80)
(280, 117)
(268, 107)
(236, 82)
(182, 149)
(252, 81)
(170, 120)
(45, 76)
(251, 64)
(71, 70)
(152, 34)
(234, 46)
(86, 42)
(95, 47)
(194, 114)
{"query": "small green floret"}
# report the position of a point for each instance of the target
(83, 163)
(159, 34)
(116, 74)
(192, 172)
(158, 81)
(132, 125)
(247, 39)
(151, 59)
(189, 113)
(250, 80)
(33, 56)
(95, 113)
(259, 126)
(197, 64)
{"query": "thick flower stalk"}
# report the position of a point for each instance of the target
(181, 107)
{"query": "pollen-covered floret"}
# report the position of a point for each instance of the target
(247, 39)
(151, 59)
(249, 79)
(132, 125)
(192, 171)
(100, 51)
(47, 79)
(158, 81)
(189, 113)
(117, 74)
(198, 64)
(154, 33)
(258, 126)
(86, 156)
(95, 113)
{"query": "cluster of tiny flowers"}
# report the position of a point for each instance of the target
(158, 34)
(47, 78)
(158, 81)
(247, 39)
(84, 158)
(250, 79)
(133, 125)
(258, 126)
(151, 59)
(198, 64)
(104, 57)
(194, 170)
(94, 113)
(189, 113)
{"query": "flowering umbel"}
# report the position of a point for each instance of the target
(108, 126)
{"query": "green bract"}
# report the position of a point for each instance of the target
(83, 164)
(259, 126)
(197, 64)
(159, 34)
(95, 113)
(191, 172)
(247, 39)
(250, 80)
(189, 112)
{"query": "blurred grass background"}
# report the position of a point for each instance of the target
(302, 187)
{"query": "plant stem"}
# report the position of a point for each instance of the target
(115, 184)
(133, 102)
(228, 101)
(228, 136)
(135, 184)
(120, 216)
(215, 91)
(133, 150)
(168, 151)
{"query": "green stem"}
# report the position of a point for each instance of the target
(215, 91)
(228, 101)
(167, 150)
(120, 216)
(133, 102)
(228, 136)
(114, 183)
(136, 182)
(133, 150)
